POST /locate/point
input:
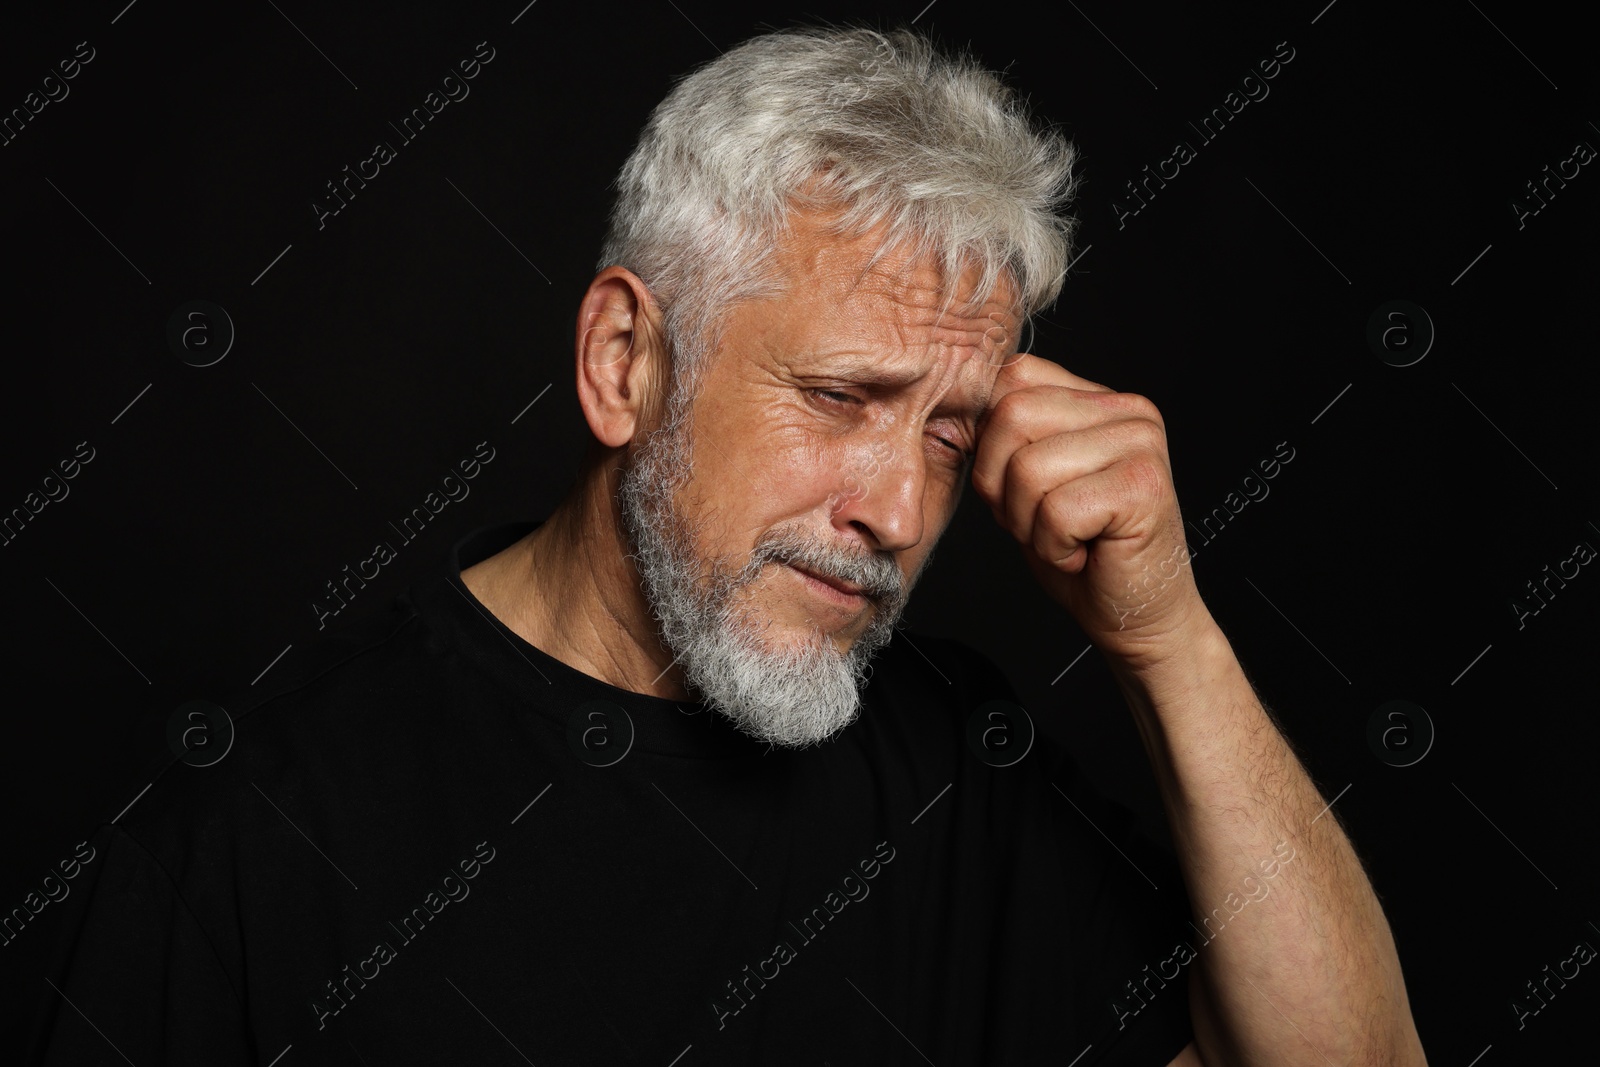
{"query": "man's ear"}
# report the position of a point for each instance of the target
(622, 362)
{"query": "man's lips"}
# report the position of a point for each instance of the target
(848, 588)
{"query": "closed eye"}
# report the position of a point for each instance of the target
(834, 396)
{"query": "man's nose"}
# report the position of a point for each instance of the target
(880, 493)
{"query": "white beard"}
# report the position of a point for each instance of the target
(793, 696)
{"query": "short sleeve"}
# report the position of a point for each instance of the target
(133, 970)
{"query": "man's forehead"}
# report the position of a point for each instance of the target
(849, 290)
(813, 247)
(834, 342)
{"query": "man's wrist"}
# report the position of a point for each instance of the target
(1196, 666)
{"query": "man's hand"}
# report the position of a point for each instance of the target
(1079, 475)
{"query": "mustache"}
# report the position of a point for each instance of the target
(877, 575)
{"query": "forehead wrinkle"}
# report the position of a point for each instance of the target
(919, 303)
(856, 275)
(917, 328)
(815, 252)
(923, 341)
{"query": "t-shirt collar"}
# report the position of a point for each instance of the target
(543, 684)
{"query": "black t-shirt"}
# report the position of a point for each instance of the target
(432, 843)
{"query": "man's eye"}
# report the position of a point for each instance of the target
(836, 397)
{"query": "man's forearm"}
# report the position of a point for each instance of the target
(1298, 965)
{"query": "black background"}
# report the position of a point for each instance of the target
(427, 316)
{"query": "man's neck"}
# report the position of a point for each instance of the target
(569, 589)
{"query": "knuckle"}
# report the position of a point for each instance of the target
(1010, 406)
(1144, 477)
(1057, 508)
(1143, 407)
(1152, 436)
(1024, 468)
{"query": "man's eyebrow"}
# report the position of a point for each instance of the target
(872, 372)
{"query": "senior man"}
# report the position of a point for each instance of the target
(617, 787)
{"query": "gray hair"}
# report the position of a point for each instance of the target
(881, 125)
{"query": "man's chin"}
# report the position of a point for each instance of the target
(785, 732)
(793, 692)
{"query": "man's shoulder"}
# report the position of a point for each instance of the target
(341, 687)
(344, 706)
(366, 655)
